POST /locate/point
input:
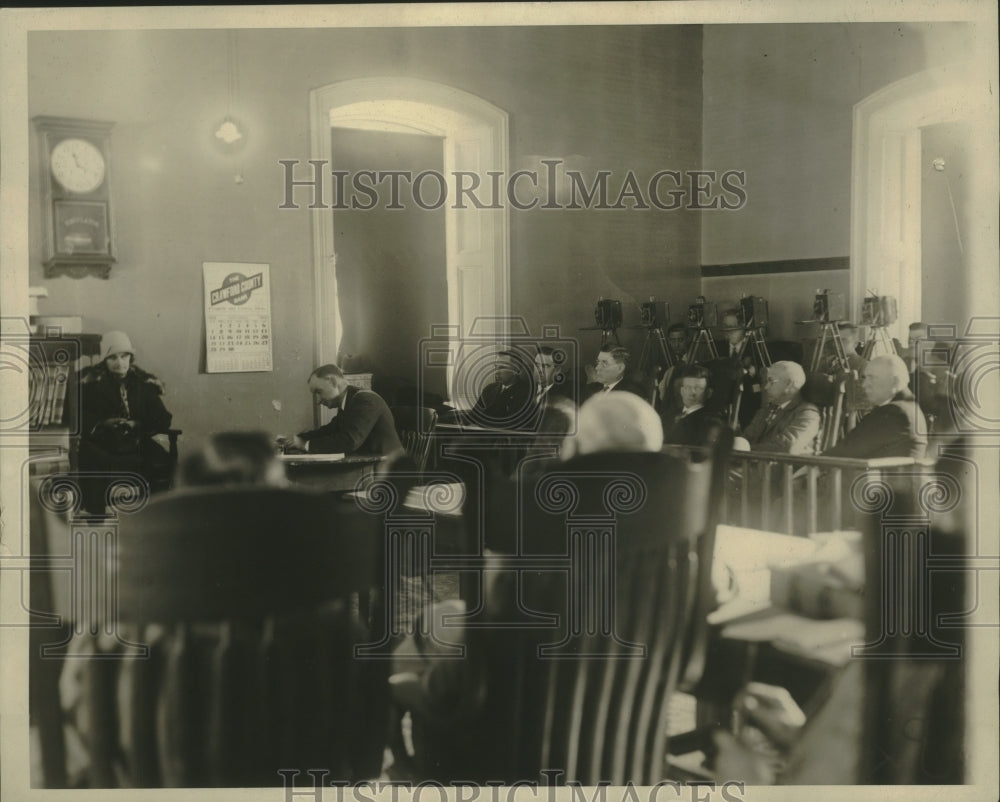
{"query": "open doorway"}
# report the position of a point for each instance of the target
(391, 261)
(474, 134)
(914, 142)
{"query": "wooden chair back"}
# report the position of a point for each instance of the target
(714, 456)
(49, 626)
(414, 426)
(235, 656)
(585, 698)
(915, 658)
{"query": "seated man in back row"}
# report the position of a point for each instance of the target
(692, 424)
(895, 427)
(504, 401)
(362, 424)
(609, 373)
(786, 424)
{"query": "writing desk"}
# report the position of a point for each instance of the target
(334, 473)
(752, 639)
(457, 446)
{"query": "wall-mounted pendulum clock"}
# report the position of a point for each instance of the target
(78, 223)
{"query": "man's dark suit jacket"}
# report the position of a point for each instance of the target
(691, 429)
(730, 372)
(364, 425)
(792, 431)
(498, 405)
(895, 429)
(625, 385)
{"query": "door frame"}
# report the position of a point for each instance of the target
(415, 106)
(886, 182)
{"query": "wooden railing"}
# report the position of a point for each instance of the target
(806, 494)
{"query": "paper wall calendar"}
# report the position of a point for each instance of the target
(237, 317)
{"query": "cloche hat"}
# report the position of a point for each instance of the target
(115, 342)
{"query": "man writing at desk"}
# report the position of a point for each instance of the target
(362, 422)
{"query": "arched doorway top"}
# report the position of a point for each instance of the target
(405, 101)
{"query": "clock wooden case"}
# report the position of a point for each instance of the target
(77, 215)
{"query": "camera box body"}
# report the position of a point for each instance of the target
(654, 313)
(830, 306)
(608, 314)
(753, 311)
(879, 311)
(702, 315)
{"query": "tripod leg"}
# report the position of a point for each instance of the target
(887, 341)
(818, 352)
(692, 352)
(838, 345)
(711, 345)
(668, 360)
(644, 357)
(760, 346)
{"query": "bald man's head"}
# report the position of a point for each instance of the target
(617, 422)
(885, 375)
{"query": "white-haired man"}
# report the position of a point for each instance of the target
(895, 427)
(786, 424)
(615, 422)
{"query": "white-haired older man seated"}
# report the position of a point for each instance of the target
(615, 422)
(786, 424)
(895, 427)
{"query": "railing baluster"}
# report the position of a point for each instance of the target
(744, 497)
(789, 500)
(812, 496)
(836, 473)
(836, 490)
(765, 496)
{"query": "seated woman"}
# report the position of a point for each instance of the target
(120, 410)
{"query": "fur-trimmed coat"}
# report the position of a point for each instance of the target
(101, 400)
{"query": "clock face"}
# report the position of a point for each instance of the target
(78, 165)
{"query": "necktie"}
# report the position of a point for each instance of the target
(607, 388)
(772, 413)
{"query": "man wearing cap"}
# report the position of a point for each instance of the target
(121, 409)
(363, 423)
(736, 368)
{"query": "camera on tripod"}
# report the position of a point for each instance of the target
(702, 315)
(879, 310)
(608, 314)
(654, 313)
(829, 306)
(753, 312)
